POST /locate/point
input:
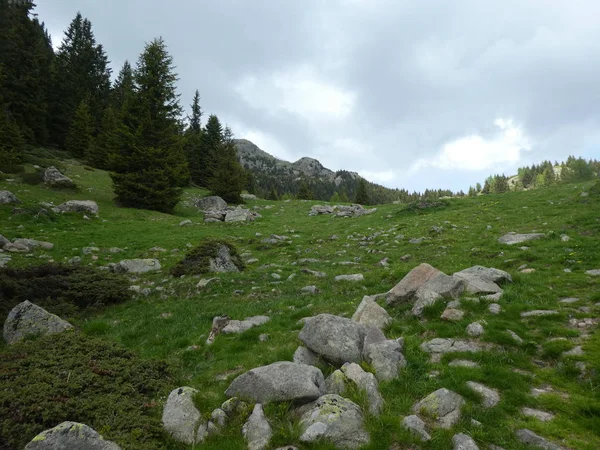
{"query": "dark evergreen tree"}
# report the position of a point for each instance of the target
(304, 193)
(107, 142)
(361, 197)
(212, 140)
(250, 186)
(80, 72)
(79, 137)
(229, 176)
(149, 166)
(11, 140)
(26, 55)
(194, 142)
(122, 88)
(272, 195)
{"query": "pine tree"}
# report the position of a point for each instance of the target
(212, 140)
(79, 137)
(149, 166)
(229, 176)
(304, 193)
(80, 71)
(122, 87)
(361, 196)
(194, 142)
(106, 144)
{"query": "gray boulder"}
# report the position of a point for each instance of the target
(416, 426)
(445, 285)
(257, 430)
(303, 355)
(406, 289)
(530, 438)
(29, 319)
(320, 209)
(54, 178)
(180, 416)
(137, 266)
(425, 298)
(352, 277)
(239, 215)
(475, 329)
(79, 206)
(442, 406)
(369, 313)
(335, 419)
(280, 381)
(488, 273)
(337, 339)
(7, 197)
(489, 396)
(239, 326)
(248, 197)
(476, 284)
(366, 382)
(440, 346)
(336, 383)
(514, 238)
(223, 262)
(213, 203)
(462, 441)
(386, 358)
(32, 244)
(70, 436)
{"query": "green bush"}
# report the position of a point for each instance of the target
(74, 377)
(62, 290)
(33, 178)
(197, 260)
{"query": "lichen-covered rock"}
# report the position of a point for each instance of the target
(336, 383)
(79, 206)
(7, 198)
(280, 381)
(28, 319)
(54, 178)
(335, 419)
(257, 430)
(337, 339)
(369, 313)
(443, 406)
(137, 266)
(180, 416)
(70, 436)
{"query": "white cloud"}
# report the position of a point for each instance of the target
(476, 152)
(300, 92)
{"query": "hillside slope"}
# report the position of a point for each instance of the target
(171, 323)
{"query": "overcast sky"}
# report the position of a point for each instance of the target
(411, 94)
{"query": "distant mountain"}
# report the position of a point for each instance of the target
(286, 178)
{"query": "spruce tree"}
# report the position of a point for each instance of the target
(107, 142)
(212, 140)
(362, 196)
(122, 87)
(79, 137)
(149, 166)
(229, 177)
(193, 142)
(11, 143)
(304, 193)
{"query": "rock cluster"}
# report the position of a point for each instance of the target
(23, 245)
(341, 210)
(215, 209)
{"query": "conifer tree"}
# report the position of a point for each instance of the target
(79, 137)
(194, 142)
(11, 140)
(212, 140)
(272, 194)
(149, 166)
(362, 196)
(122, 87)
(107, 143)
(304, 193)
(229, 177)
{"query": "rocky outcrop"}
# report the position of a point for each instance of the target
(426, 284)
(341, 210)
(55, 179)
(280, 381)
(79, 206)
(70, 435)
(386, 358)
(27, 319)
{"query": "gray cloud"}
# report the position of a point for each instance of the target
(407, 93)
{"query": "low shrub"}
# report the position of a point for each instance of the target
(69, 376)
(197, 260)
(33, 178)
(62, 290)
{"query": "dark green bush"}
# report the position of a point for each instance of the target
(197, 260)
(70, 376)
(62, 290)
(33, 178)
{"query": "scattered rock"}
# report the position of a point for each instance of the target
(54, 178)
(70, 435)
(15, 248)
(407, 288)
(335, 419)
(416, 426)
(475, 329)
(366, 382)
(515, 337)
(439, 346)
(280, 381)
(425, 298)
(184, 223)
(514, 238)
(494, 308)
(569, 300)
(593, 272)
(539, 313)
(416, 241)
(575, 351)
(250, 197)
(463, 442)
(386, 358)
(28, 319)
(490, 397)
(353, 277)
(7, 197)
(78, 206)
(136, 266)
(536, 413)
(369, 313)
(205, 282)
(239, 215)
(314, 273)
(464, 363)
(341, 210)
(239, 326)
(530, 438)
(257, 430)
(180, 416)
(443, 406)
(218, 323)
(452, 315)
(310, 289)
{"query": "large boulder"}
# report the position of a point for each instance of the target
(7, 197)
(239, 215)
(280, 381)
(442, 406)
(213, 203)
(54, 178)
(369, 313)
(407, 288)
(514, 238)
(28, 319)
(70, 436)
(335, 419)
(80, 206)
(337, 339)
(137, 266)
(180, 416)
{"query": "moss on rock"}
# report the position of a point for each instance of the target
(203, 258)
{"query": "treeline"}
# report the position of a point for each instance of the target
(539, 175)
(133, 127)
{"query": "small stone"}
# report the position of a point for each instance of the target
(576, 351)
(264, 337)
(494, 308)
(490, 397)
(475, 329)
(538, 313)
(536, 413)
(569, 300)
(463, 442)
(184, 223)
(453, 315)
(366, 382)
(464, 363)
(530, 438)
(515, 337)
(353, 277)
(310, 289)
(594, 272)
(416, 426)
(257, 430)
(443, 406)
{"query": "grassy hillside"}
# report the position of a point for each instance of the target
(172, 323)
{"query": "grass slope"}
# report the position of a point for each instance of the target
(173, 322)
